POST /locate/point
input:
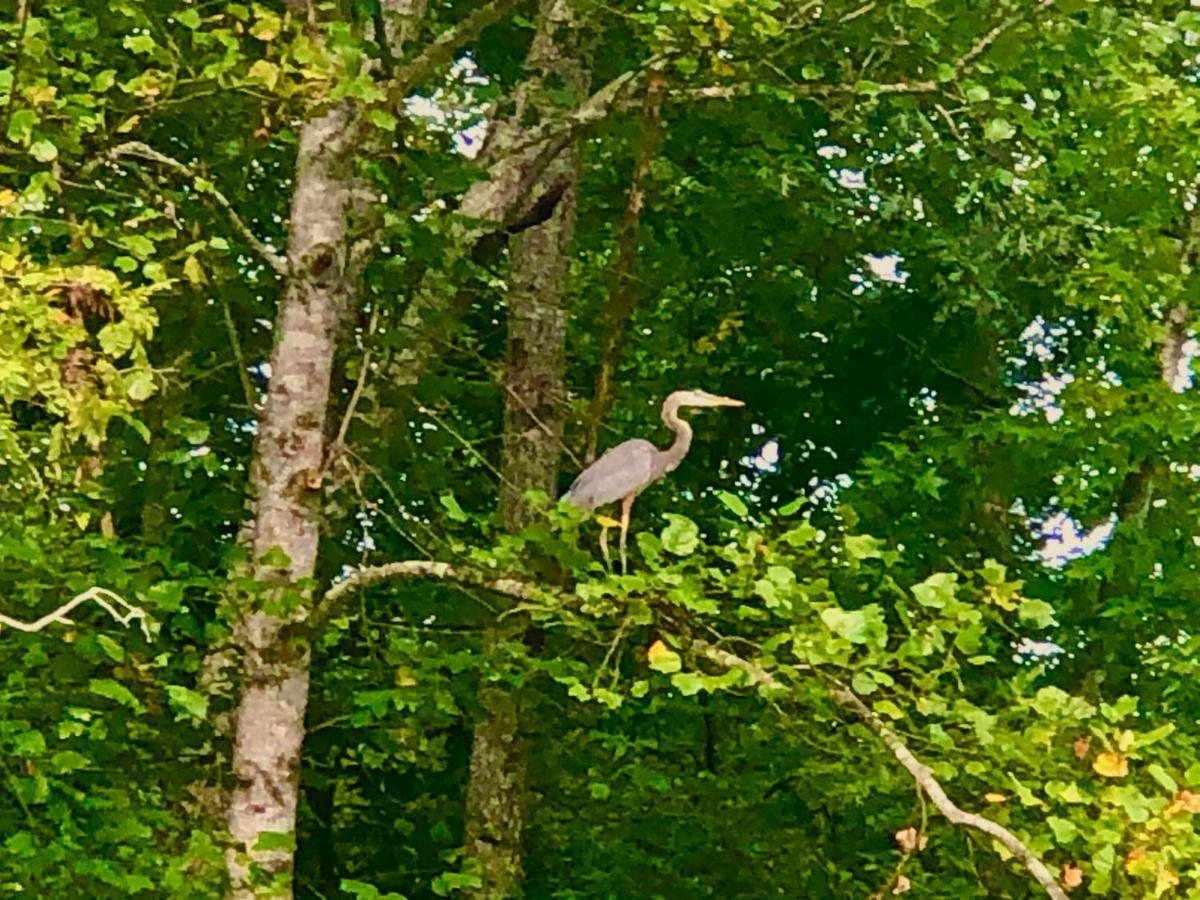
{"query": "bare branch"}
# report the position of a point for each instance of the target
(419, 568)
(441, 49)
(981, 45)
(140, 150)
(116, 606)
(923, 775)
(920, 772)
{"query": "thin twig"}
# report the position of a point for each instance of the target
(235, 344)
(466, 445)
(142, 150)
(904, 86)
(364, 371)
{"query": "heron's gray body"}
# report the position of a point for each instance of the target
(628, 468)
(625, 469)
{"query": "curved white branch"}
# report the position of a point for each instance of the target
(920, 772)
(123, 612)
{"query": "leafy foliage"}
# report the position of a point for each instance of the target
(938, 250)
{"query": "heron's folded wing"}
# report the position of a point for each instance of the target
(623, 470)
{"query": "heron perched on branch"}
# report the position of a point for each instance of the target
(630, 467)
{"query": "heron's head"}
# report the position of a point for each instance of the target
(699, 398)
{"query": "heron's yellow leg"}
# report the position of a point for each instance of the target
(605, 524)
(626, 506)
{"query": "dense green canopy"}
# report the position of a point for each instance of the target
(933, 586)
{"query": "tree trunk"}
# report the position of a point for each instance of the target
(286, 469)
(533, 421)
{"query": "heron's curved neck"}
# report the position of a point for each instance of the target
(674, 454)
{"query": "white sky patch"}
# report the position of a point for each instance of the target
(831, 151)
(458, 113)
(1064, 541)
(886, 267)
(854, 179)
(767, 457)
(1030, 647)
(1042, 396)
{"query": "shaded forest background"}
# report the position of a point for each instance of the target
(310, 310)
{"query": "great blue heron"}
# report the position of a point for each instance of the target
(630, 467)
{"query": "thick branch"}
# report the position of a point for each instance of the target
(441, 49)
(419, 568)
(144, 151)
(920, 772)
(116, 606)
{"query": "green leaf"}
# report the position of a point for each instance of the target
(681, 536)
(1065, 831)
(937, 590)
(453, 510)
(1163, 777)
(111, 648)
(65, 761)
(276, 840)
(188, 18)
(998, 130)
(734, 503)
(795, 506)
(113, 690)
(858, 626)
(687, 683)
(977, 93)
(139, 385)
(662, 658)
(20, 126)
(139, 43)
(599, 790)
(188, 701)
(43, 151)
(889, 709)
(863, 546)
(1038, 612)
(29, 743)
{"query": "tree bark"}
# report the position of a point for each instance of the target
(532, 442)
(269, 724)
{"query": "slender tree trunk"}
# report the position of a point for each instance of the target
(269, 725)
(533, 423)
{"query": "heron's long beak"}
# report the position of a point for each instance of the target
(716, 400)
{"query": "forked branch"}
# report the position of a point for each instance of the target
(123, 612)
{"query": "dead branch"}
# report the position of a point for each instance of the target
(116, 606)
(920, 772)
